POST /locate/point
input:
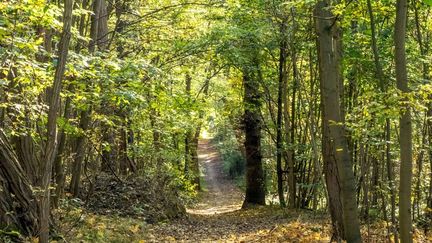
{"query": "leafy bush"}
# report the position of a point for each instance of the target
(227, 144)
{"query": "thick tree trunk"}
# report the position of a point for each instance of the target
(334, 140)
(332, 184)
(255, 184)
(16, 194)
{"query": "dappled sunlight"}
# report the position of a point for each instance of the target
(207, 209)
(219, 195)
(205, 134)
(261, 224)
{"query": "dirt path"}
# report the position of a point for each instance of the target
(218, 218)
(219, 195)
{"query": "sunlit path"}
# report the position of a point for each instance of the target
(219, 194)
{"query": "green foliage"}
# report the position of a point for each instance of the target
(227, 144)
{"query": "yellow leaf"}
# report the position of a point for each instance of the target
(134, 228)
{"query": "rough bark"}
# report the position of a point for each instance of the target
(16, 194)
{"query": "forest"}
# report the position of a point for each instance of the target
(215, 121)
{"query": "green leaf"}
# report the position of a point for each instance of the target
(428, 2)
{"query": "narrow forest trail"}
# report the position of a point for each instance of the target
(219, 195)
(218, 217)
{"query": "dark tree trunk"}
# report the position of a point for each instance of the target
(79, 153)
(191, 144)
(281, 86)
(58, 162)
(255, 184)
(16, 194)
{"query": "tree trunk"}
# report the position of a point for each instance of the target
(255, 184)
(51, 144)
(79, 153)
(80, 142)
(281, 86)
(16, 194)
(429, 123)
(292, 192)
(405, 125)
(58, 162)
(335, 146)
(387, 129)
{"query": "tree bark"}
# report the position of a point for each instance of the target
(54, 105)
(335, 145)
(405, 125)
(79, 150)
(281, 86)
(255, 184)
(387, 129)
(16, 194)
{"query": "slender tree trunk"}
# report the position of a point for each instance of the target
(429, 200)
(79, 156)
(282, 79)
(334, 137)
(58, 163)
(424, 50)
(292, 188)
(405, 125)
(54, 105)
(387, 128)
(85, 115)
(123, 148)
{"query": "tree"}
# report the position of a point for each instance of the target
(255, 184)
(335, 149)
(281, 85)
(405, 126)
(37, 207)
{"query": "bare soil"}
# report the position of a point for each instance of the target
(220, 194)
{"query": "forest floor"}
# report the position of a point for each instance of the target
(218, 217)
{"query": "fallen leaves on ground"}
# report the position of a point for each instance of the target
(261, 224)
